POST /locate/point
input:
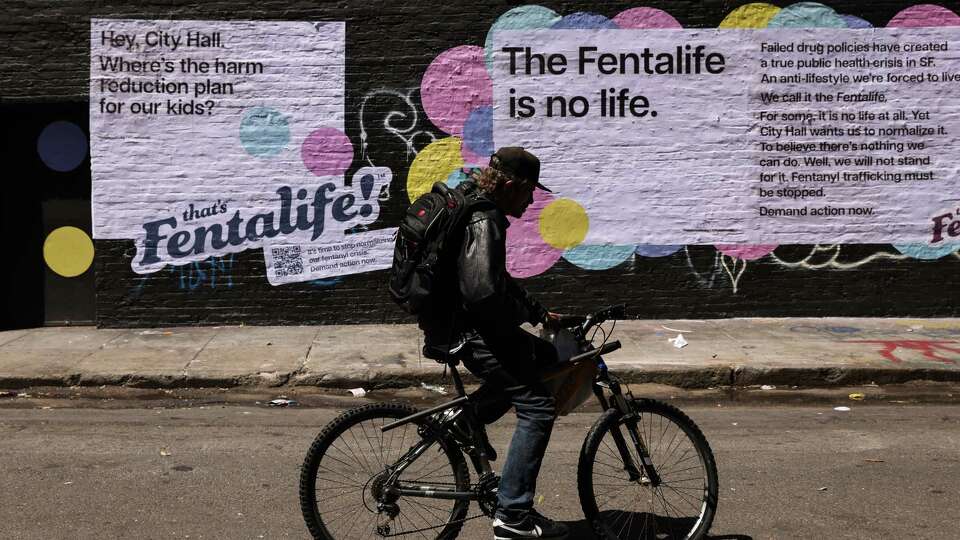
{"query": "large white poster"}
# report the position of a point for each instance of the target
(213, 137)
(741, 136)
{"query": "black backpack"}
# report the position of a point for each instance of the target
(429, 223)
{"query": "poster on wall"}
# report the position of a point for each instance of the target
(793, 136)
(214, 137)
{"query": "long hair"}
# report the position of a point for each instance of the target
(489, 179)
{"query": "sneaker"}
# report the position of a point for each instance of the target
(534, 525)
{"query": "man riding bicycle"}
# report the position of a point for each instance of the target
(481, 325)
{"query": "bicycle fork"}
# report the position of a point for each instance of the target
(620, 403)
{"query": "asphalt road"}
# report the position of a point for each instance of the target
(231, 472)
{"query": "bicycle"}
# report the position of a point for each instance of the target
(370, 473)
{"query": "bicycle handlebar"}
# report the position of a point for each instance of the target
(615, 311)
(606, 348)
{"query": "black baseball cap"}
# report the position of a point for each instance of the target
(517, 162)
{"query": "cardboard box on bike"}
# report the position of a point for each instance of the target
(571, 383)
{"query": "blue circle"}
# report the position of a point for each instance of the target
(807, 15)
(583, 20)
(856, 22)
(478, 131)
(62, 146)
(652, 250)
(598, 257)
(264, 132)
(926, 252)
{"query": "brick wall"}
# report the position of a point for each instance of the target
(389, 46)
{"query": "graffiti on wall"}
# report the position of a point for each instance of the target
(208, 274)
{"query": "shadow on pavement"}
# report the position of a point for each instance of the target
(639, 526)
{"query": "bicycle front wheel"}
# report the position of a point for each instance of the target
(621, 503)
(344, 474)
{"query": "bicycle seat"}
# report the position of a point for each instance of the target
(444, 355)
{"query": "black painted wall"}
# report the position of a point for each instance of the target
(389, 45)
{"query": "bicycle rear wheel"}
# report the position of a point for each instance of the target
(343, 474)
(619, 507)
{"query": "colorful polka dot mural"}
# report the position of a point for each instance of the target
(457, 177)
(455, 83)
(924, 15)
(648, 250)
(925, 252)
(456, 91)
(564, 223)
(68, 251)
(755, 15)
(918, 17)
(807, 15)
(62, 146)
(598, 257)
(264, 132)
(478, 136)
(584, 21)
(519, 18)
(327, 152)
(746, 252)
(435, 163)
(527, 252)
(855, 22)
(645, 17)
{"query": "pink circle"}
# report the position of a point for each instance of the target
(470, 158)
(645, 17)
(924, 15)
(455, 83)
(746, 252)
(527, 254)
(327, 152)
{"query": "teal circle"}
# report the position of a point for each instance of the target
(598, 257)
(456, 177)
(807, 15)
(264, 132)
(926, 252)
(519, 18)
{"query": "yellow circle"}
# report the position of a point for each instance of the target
(755, 15)
(564, 224)
(433, 164)
(68, 251)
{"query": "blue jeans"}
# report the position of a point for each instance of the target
(509, 367)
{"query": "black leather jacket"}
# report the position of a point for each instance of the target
(483, 297)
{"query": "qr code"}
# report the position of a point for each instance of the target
(287, 261)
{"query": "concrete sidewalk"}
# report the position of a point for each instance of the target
(742, 352)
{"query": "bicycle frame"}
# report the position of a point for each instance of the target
(480, 460)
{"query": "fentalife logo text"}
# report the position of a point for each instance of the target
(168, 240)
(946, 224)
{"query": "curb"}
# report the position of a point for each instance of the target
(688, 378)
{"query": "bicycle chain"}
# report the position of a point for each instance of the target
(462, 520)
